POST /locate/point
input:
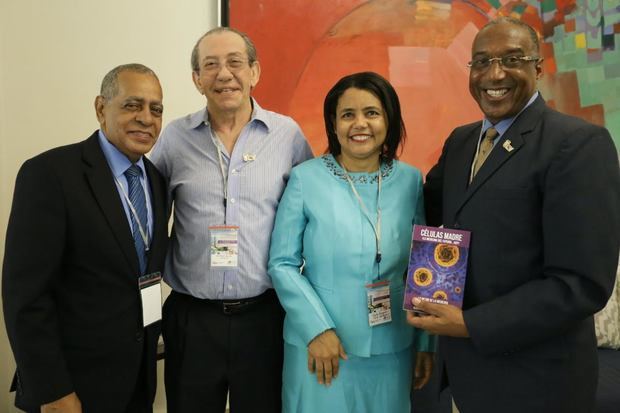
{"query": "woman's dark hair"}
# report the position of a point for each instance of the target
(381, 88)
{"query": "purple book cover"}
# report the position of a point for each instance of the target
(437, 266)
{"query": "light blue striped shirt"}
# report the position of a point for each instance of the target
(186, 155)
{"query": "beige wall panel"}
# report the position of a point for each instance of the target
(53, 55)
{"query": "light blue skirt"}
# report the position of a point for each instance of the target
(375, 384)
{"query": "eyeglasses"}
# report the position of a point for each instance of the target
(506, 62)
(233, 65)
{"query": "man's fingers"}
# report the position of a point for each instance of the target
(423, 369)
(420, 382)
(445, 320)
(422, 374)
(419, 321)
(429, 308)
(69, 404)
(412, 318)
(428, 323)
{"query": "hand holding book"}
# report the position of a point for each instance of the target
(438, 319)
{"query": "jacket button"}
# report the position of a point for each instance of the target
(139, 336)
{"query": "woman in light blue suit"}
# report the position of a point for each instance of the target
(339, 250)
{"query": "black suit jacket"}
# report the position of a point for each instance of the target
(545, 223)
(70, 290)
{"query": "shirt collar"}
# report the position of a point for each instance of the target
(258, 115)
(503, 125)
(117, 161)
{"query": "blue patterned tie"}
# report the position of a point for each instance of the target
(136, 196)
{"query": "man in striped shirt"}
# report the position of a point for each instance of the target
(227, 166)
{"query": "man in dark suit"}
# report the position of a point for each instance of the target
(86, 239)
(540, 194)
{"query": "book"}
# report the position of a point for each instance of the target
(437, 266)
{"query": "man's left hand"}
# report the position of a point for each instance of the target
(442, 319)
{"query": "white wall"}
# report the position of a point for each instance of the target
(53, 55)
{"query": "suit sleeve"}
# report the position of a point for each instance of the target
(580, 231)
(303, 307)
(32, 268)
(433, 191)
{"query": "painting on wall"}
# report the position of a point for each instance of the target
(423, 48)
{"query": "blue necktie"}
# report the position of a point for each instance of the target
(137, 199)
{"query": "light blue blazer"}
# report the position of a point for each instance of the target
(321, 228)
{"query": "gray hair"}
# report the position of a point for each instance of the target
(249, 46)
(109, 84)
(511, 20)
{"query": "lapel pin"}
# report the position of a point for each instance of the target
(508, 145)
(248, 157)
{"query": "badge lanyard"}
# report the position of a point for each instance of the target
(224, 239)
(376, 227)
(224, 175)
(143, 233)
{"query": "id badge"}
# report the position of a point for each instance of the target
(150, 293)
(224, 246)
(379, 307)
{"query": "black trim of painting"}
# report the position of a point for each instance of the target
(225, 13)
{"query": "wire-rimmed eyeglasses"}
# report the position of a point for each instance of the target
(232, 64)
(506, 62)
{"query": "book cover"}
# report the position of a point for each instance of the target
(437, 266)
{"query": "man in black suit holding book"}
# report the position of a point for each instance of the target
(540, 193)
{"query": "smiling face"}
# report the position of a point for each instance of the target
(500, 92)
(131, 119)
(225, 75)
(361, 127)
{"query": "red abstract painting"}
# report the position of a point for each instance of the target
(422, 47)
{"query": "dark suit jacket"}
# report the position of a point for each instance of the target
(70, 290)
(545, 223)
